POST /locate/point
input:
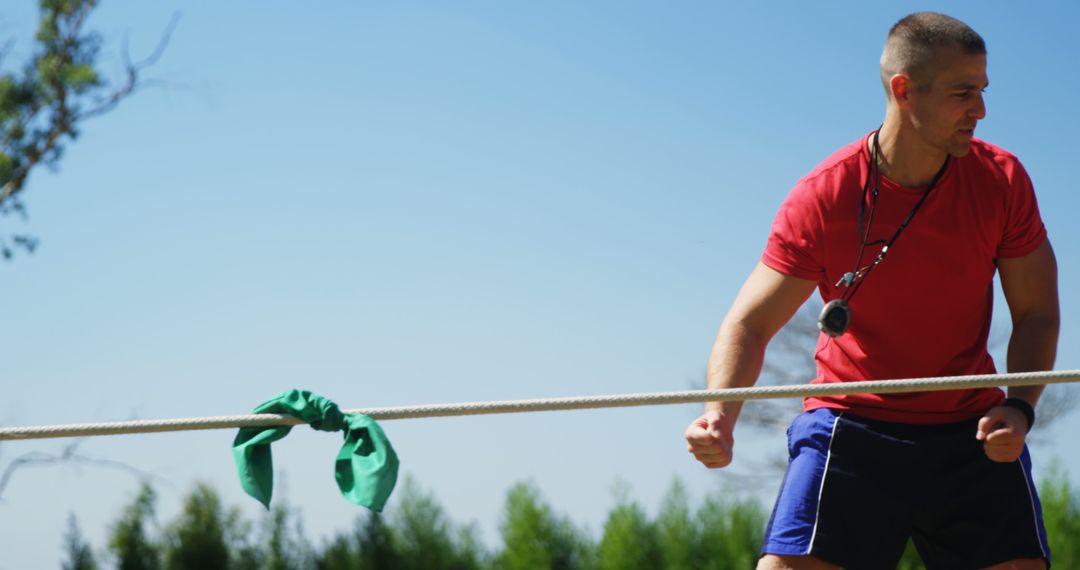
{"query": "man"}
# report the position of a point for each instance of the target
(948, 469)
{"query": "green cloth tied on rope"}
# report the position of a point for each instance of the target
(366, 468)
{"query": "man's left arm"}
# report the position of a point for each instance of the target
(1030, 286)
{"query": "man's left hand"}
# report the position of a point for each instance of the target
(1002, 431)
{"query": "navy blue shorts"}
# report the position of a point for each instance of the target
(857, 489)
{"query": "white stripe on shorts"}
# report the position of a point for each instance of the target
(821, 489)
(1034, 509)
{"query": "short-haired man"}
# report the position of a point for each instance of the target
(948, 469)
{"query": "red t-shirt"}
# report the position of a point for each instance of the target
(925, 310)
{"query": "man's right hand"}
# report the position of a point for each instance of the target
(709, 439)
(766, 301)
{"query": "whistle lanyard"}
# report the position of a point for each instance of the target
(853, 279)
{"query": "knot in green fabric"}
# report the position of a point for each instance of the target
(365, 469)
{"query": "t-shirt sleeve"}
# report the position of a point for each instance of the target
(795, 241)
(1024, 229)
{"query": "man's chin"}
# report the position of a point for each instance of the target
(959, 150)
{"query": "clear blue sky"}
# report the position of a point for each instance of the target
(417, 202)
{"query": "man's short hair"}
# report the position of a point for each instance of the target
(914, 42)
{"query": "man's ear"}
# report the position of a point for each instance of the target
(900, 85)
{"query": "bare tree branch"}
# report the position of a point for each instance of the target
(68, 455)
(133, 72)
(58, 90)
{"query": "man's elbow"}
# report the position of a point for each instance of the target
(1034, 341)
(1045, 320)
(743, 333)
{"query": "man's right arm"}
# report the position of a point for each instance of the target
(765, 303)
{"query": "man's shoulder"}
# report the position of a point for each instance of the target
(995, 161)
(987, 149)
(846, 162)
(826, 182)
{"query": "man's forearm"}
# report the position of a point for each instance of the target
(1032, 347)
(735, 362)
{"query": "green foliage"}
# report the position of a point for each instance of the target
(338, 554)
(422, 531)
(375, 544)
(724, 532)
(910, 560)
(678, 537)
(470, 551)
(629, 540)
(1061, 512)
(196, 540)
(43, 104)
(424, 537)
(243, 550)
(129, 541)
(370, 547)
(535, 539)
(77, 553)
(419, 536)
(285, 546)
(7, 166)
(732, 531)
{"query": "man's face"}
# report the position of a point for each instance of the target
(945, 112)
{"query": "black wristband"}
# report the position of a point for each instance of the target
(1024, 407)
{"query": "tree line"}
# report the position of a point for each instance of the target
(722, 531)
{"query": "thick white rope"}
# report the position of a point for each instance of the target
(551, 404)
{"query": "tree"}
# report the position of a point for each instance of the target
(338, 554)
(78, 553)
(129, 541)
(732, 531)
(910, 559)
(196, 539)
(419, 535)
(374, 543)
(43, 105)
(535, 539)
(725, 532)
(677, 535)
(285, 545)
(244, 552)
(629, 541)
(1061, 513)
(425, 538)
(369, 547)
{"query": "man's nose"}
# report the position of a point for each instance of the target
(978, 111)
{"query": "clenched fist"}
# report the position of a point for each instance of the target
(1002, 431)
(709, 439)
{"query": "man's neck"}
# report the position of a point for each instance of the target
(905, 158)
